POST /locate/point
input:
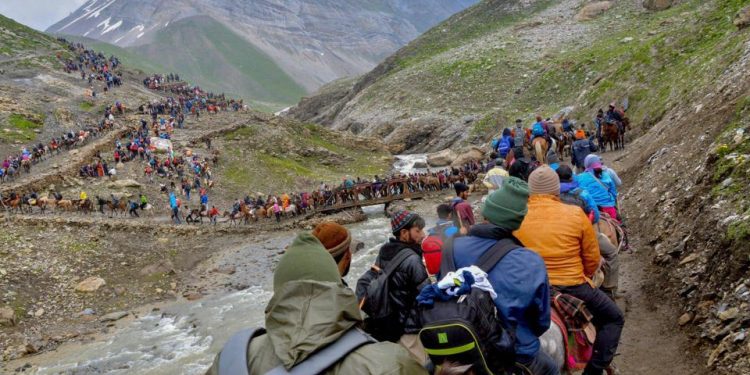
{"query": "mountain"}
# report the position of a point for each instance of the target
(312, 42)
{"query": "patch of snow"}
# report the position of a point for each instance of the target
(138, 27)
(113, 27)
(166, 24)
(88, 13)
(120, 38)
(98, 11)
(86, 33)
(104, 23)
(139, 36)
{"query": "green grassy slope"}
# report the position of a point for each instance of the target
(477, 63)
(17, 39)
(206, 52)
(128, 57)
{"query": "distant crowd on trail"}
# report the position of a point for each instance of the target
(192, 98)
(528, 287)
(92, 66)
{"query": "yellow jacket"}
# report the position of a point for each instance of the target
(83, 196)
(564, 237)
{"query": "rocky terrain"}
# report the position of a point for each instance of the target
(303, 43)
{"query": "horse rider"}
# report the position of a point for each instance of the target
(581, 148)
(83, 196)
(600, 186)
(614, 116)
(519, 139)
(570, 250)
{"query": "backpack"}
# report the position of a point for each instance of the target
(503, 146)
(233, 358)
(574, 198)
(495, 143)
(374, 297)
(468, 330)
(537, 130)
(519, 137)
(581, 149)
(432, 248)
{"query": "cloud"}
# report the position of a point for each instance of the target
(39, 14)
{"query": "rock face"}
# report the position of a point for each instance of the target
(657, 4)
(472, 153)
(441, 158)
(91, 284)
(314, 42)
(742, 18)
(592, 10)
(7, 317)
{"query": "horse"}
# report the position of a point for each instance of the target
(64, 204)
(623, 127)
(195, 216)
(26, 164)
(86, 206)
(233, 218)
(291, 210)
(540, 149)
(610, 136)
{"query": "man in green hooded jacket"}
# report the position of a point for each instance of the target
(310, 309)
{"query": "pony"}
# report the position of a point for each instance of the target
(540, 149)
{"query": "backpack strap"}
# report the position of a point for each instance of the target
(496, 253)
(233, 357)
(321, 360)
(447, 263)
(400, 257)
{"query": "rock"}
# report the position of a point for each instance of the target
(727, 182)
(473, 153)
(593, 10)
(38, 313)
(441, 158)
(728, 314)
(74, 152)
(689, 258)
(7, 317)
(657, 4)
(420, 164)
(627, 39)
(685, 318)
(115, 316)
(742, 18)
(121, 184)
(226, 269)
(91, 284)
(193, 296)
(162, 266)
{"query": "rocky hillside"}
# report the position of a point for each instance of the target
(310, 42)
(683, 68)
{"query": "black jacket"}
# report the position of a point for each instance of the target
(405, 283)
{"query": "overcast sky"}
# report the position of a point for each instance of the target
(39, 14)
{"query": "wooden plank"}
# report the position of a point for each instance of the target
(373, 202)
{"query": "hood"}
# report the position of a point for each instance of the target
(305, 316)
(568, 186)
(393, 246)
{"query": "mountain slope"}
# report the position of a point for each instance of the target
(314, 42)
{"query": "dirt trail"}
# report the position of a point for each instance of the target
(651, 342)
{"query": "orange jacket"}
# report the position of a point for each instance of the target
(564, 237)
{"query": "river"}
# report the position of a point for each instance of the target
(184, 337)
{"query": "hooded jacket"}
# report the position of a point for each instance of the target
(520, 281)
(564, 237)
(405, 283)
(305, 316)
(603, 191)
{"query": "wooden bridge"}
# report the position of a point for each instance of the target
(376, 201)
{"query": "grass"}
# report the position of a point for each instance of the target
(214, 57)
(86, 106)
(128, 57)
(21, 128)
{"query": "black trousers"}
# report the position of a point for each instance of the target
(608, 320)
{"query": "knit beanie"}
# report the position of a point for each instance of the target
(305, 259)
(507, 206)
(544, 180)
(400, 219)
(591, 161)
(334, 237)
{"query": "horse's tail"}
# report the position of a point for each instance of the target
(539, 151)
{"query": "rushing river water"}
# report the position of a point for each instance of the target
(183, 338)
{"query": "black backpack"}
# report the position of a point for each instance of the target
(468, 330)
(374, 297)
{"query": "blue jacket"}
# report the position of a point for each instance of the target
(520, 280)
(602, 191)
(172, 201)
(573, 188)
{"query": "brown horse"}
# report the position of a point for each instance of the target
(540, 149)
(610, 136)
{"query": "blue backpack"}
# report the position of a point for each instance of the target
(495, 143)
(537, 130)
(503, 146)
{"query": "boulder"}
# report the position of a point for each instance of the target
(162, 266)
(593, 10)
(657, 4)
(742, 18)
(91, 284)
(472, 153)
(441, 158)
(420, 164)
(226, 269)
(121, 184)
(115, 316)
(7, 317)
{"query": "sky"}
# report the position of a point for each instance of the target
(39, 14)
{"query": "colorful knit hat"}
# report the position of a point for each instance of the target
(400, 219)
